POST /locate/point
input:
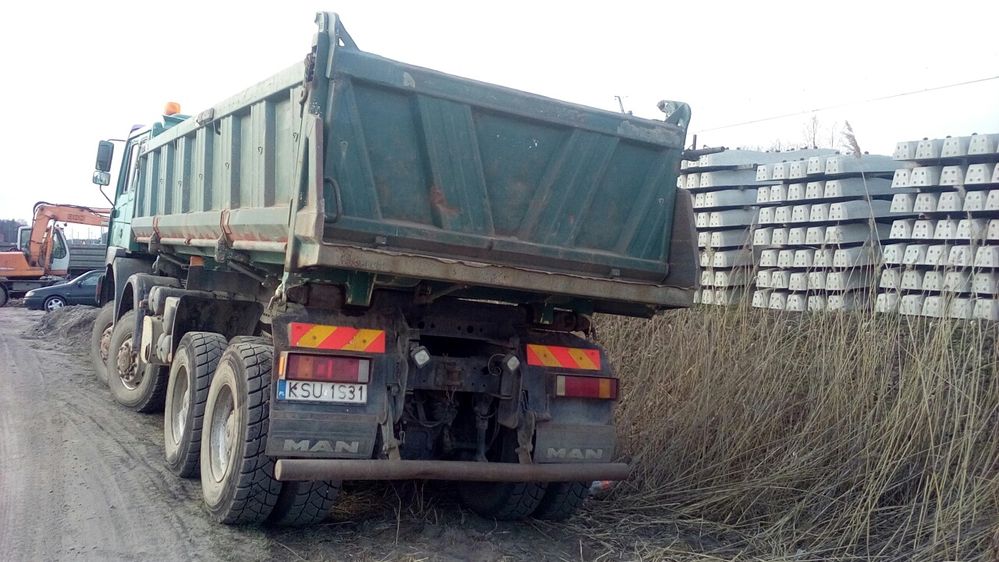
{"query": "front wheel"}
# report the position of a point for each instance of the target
(237, 478)
(133, 384)
(54, 302)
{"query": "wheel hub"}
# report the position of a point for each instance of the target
(128, 370)
(181, 406)
(223, 437)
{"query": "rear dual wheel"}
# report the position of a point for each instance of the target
(508, 501)
(237, 477)
(191, 372)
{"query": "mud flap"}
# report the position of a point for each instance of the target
(571, 443)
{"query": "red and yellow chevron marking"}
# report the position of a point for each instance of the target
(338, 338)
(565, 357)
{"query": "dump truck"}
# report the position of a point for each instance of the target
(42, 256)
(360, 269)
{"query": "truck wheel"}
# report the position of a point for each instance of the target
(100, 341)
(3, 296)
(54, 303)
(561, 500)
(133, 385)
(191, 373)
(505, 501)
(261, 340)
(304, 503)
(237, 479)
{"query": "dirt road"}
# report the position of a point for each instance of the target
(83, 479)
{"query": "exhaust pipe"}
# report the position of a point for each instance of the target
(364, 469)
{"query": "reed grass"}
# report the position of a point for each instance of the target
(765, 435)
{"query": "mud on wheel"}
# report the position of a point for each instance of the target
(191, 372)
(100, 340)
(237, 478)
(133, 384)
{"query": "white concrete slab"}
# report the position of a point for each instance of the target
(785, 258)
(956, 282)
(815, 235)
(768, 258)
(780, 278)
(911, 305)
(848, 280)
(979, 174)
(798, 281)
(732, 258)
(816, 303)
(804, 258)
(923, 229)
(859, 210)
(987, 256)
(857, 256)
(985, 283)
(946, 229)
(950, 202)
(983, 144)
(935, 306)
(823, 257)
(778, 300)
(779, 237)
(891, 254)
(855, 233)
(972, 229)
(887, 302)
(929, 149)
(933, 281)
(926, 202)
(901, 229)
(925, 176)
(902, 178)
(815, 189)
(903, 203)
(961, 308)
(955, 147)
(987, 309)
(761, 298)
(952, 175)
(905, 150)
(891, 279)
(960, 256)
(936, 255)
(782, 215)
(797, 236)
(762, 236)
(912, 280)
(730, 238)
(732, 218)
(915, 254)
(857, 187)
(816, 280)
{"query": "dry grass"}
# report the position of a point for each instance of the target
(765, 436)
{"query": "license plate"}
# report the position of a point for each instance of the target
(336, 392)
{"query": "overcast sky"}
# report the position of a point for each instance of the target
(89, 70)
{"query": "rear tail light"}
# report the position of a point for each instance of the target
(568, 386)
(325, 368)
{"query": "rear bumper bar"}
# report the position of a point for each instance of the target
(340, 469)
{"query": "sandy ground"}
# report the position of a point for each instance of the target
(82, 478)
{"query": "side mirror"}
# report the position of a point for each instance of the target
(105, 151)
(102, 178)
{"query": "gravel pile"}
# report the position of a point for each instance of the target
(70, 325)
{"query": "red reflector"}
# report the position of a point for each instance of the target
(329, 368)
(585, 387)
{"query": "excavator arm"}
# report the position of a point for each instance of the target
(41, 242)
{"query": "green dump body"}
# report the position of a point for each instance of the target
(351, 162)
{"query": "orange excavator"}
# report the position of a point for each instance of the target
(44, 259)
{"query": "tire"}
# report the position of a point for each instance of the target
(505, 501)
(260, 340)
(562, 500)
(304, 503)
(237, 478)
(4, 297)
(191, 372)
(100, 341)
(55, 302)
(143, 393)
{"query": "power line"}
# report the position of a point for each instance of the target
(839, 105)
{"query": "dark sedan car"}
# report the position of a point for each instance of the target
(82, 290)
